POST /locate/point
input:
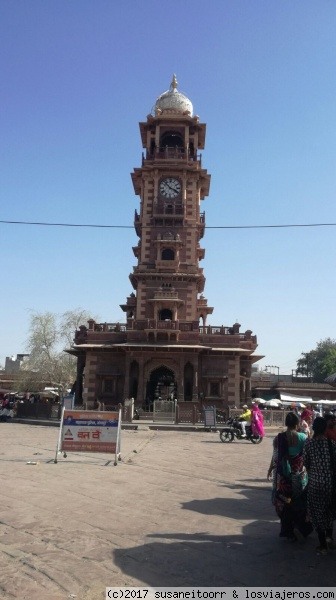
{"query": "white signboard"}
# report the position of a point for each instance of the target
(89, 431)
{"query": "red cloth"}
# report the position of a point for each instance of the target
(306, 413)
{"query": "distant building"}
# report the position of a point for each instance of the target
(13, 363)
(270, 385)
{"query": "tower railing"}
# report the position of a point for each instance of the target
(168, 208)
(172, 153)
(141, 325)
(213, 330)
(178, 325)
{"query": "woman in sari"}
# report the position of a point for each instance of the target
(320, 460)
(257, 420)
(306, 419)
(290, 481)
(330, 432)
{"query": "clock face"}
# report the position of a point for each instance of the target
(170, 187)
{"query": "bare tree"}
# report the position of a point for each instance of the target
(49, 335)
(70, 321)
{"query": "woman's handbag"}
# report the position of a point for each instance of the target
(332, 463)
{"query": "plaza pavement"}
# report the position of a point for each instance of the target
(180, 509)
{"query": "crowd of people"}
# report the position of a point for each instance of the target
(303, 470)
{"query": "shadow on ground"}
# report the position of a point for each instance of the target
(241, 554)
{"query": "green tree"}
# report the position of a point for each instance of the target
(320, 362)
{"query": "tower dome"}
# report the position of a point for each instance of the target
(173, 101)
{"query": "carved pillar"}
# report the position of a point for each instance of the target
(248, 388)
(91, 382)
(180, 380)
(79, 379)
(196, 378)
(234, 380)
(141, 383)
(127, 376)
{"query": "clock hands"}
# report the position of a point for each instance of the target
(170, 187)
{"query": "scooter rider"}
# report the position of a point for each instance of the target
(245, 419)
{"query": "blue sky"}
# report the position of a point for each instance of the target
(77, 77)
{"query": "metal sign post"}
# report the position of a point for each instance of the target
(68, 401)
(59, 441)
(210, 416)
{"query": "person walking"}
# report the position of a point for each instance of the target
(290, 481)
(306, 419)
(319, 457)
(331, 426)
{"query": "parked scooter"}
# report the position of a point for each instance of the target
(234, 430)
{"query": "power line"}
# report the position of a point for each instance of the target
(98, 226)
(66, 224)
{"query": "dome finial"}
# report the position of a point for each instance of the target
(173, 102)
(174, 83)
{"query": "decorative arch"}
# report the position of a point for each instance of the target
(172, 139)
(165, 314)
(167, 254)
(160, 383)
(155, 363)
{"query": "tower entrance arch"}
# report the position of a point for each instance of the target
(161, 384)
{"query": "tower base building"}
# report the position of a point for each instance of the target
(165, 348)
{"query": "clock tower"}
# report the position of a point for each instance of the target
(171, 184)
(165, 348)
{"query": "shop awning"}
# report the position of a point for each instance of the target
(290, 398)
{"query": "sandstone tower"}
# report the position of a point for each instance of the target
(166, 348)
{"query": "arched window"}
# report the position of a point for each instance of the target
(152, 148)
(165, 315)
(172, 139)
(167, 254)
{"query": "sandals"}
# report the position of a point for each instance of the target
(322, 550)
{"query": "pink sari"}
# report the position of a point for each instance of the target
(257, 421)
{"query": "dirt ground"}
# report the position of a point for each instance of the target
(180, 509)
